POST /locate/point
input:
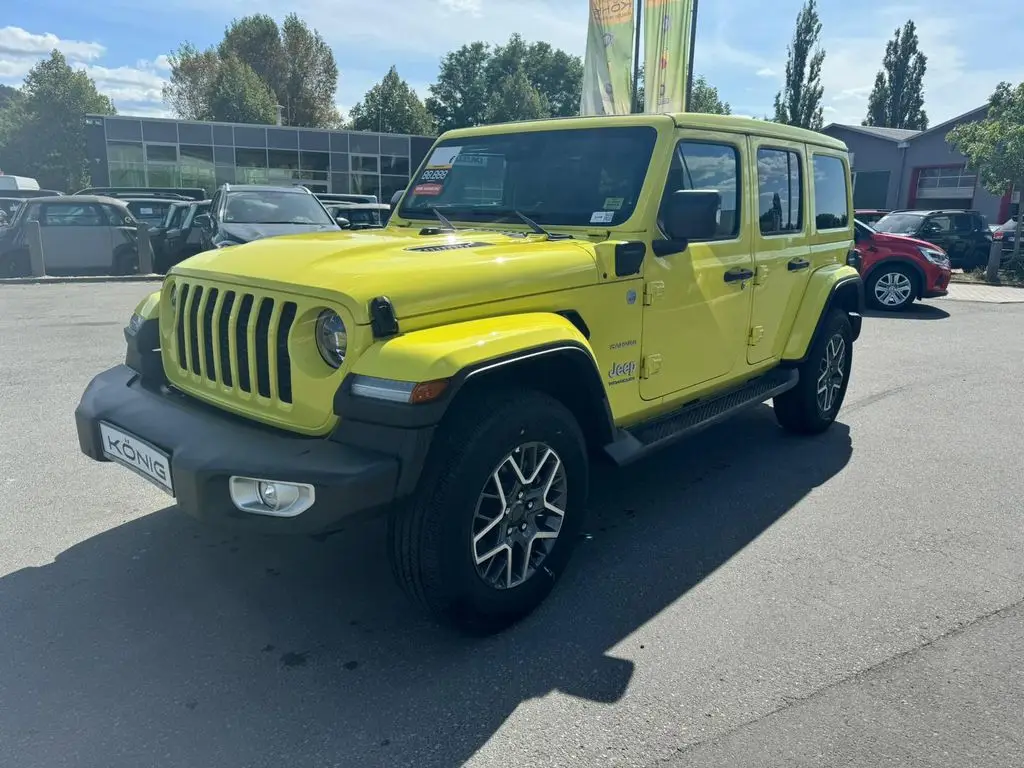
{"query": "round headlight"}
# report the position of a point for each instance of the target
(331, 338)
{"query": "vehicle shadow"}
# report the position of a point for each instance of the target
(917, 311)
(161, 642)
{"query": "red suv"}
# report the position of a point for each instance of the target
(897, 269)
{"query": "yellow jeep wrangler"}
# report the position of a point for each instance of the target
(547, 294)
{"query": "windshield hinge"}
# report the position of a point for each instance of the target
(756, 334)
(760, 274)
(649, 366)
(653, 290)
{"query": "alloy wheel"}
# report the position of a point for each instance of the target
(831, 372)
(519, 515)
(893, 289)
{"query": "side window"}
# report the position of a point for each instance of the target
(779, 191)
(831, 209)
(939, 224)
(701, 165)
(72, 215)
(116, 216)
(980, 223)
(963, 224)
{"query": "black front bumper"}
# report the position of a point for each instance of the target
(207, 447)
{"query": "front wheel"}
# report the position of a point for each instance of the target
(813, 404)
(499, 508)
(892, 287)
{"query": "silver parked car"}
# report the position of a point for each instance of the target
(80, 234)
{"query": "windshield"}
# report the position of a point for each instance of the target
(270, 207)
(577, 177)
(899, 223)
(151, 212)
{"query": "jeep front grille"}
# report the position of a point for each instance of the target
(235, 339)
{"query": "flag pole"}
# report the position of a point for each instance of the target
(637, 106)
(693, 45)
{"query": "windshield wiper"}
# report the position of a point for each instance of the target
(444, 222)
(538, 229)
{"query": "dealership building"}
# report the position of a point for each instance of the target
(894, 168)
(151, 152)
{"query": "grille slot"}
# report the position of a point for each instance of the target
(236, 340)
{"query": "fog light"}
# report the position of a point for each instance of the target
(270, 497)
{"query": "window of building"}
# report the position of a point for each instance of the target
(161, 153)
(700, 165)
(365, 164)
(394, 166)
(251, 158)
(871, 190)
(124, 152)
(365, 184)
(315, 161)
(831, 193)
(283, 159)
(391, 184)
(196, 154)
(779, 191)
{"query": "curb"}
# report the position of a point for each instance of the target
(71, 280)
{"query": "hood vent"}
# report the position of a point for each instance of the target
(447, 247)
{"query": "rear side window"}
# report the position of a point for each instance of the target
(780, 197)
(72, 215)
(831, 193)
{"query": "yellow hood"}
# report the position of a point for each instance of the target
(458, 270)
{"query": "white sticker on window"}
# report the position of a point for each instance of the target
(443, 157)
(146, 211)
(602, 217)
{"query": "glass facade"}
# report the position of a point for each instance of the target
(144, 152)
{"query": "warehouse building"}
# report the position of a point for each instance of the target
(895, 168)
(152, 152)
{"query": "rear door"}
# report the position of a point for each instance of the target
(782, 253)
(76, 237)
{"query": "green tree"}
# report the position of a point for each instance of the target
(897, 100)
(459, 97)
(238, 95)
(994, 147)
(391, 106)
(8, 95)
(515, 99)
(472, 78)
(44, 130)
(799, 101)
(292, 60)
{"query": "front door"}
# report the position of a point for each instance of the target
(697, 302)
(782, 255)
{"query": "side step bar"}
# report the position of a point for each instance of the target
(645, 438)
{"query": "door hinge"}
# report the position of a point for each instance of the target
(653, 290)
(756, 334)
(760, 275)
(649, 366)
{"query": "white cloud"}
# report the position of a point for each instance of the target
(134, 90)
(765, 72)
(953, 85)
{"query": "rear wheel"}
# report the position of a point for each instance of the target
(15, 264)
(892, 288)
(813, 404)
(499, 508)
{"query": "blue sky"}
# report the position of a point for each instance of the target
(741, 47)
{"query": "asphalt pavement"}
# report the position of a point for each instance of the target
(743, 599)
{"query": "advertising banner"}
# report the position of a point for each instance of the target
(608, 64)
(667, 44)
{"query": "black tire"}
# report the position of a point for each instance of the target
(893, 272)
(16, 264)
(431, 538)
(800, 410)
(126, 262)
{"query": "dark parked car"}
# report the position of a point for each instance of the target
(964, 235)
(183, 237)
(240, 213)
(1006, 235)
(179, 193)
(359, 215)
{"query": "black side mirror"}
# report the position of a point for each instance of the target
(691, 214)
(203, 220)
(396, 197)
(343, 222)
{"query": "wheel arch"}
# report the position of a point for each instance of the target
(835, 287)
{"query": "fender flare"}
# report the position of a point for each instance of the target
(845, 290)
